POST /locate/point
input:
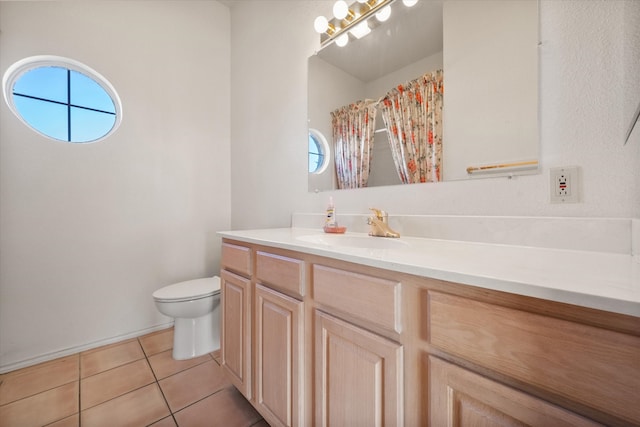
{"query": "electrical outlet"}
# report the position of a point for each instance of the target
(565, 184)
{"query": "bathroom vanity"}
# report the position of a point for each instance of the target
(415, 331)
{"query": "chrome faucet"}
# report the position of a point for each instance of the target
(378, 224)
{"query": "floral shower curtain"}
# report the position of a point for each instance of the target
(353, 127)
(412, 114)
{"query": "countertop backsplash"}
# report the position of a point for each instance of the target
(613, 235)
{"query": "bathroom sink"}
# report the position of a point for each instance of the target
(351, 241)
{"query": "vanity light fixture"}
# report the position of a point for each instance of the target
(321, 24)
(384, 14)
(342, 40)
(341, 10)
(353, 19)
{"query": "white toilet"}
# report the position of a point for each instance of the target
(195, 306)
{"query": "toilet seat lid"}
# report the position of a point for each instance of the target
(190, 289)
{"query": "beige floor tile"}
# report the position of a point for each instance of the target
(72, 421)
(189, 386)
(164, 365)
(165, 422)
(137, 408)
(43, 408)
(118, 388)
(111, 356)
(157, 342)
(227, 408)
(115, 382)
(35, 379)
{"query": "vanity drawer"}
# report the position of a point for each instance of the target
(589, 365)
(369, 298)
(236, 258)
(282, 272)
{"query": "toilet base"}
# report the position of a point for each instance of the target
(195, 337)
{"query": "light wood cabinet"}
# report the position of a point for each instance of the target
(459, 397)
(283, 273)
(235, 337)
(590, 365)
(279, 357)
(358, 376)
(368, 298)
(316, 341)
(237, 259)
(262, 328)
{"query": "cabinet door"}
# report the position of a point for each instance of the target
(585, 364)
(279, 357)
(358, 376)
(236, 330)
(462, 398)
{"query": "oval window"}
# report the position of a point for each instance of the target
(62, 99)
(318, 152)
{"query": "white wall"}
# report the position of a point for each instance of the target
(581, 107)
(89, 232)
(270, 44)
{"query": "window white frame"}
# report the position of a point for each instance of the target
(324, 147)
(18, 69)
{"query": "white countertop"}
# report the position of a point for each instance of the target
(600, 280)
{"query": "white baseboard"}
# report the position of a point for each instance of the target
(77, 349)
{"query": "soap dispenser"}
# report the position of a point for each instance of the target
(330, 220)
(331, 223)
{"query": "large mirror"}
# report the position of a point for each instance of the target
(488, 51)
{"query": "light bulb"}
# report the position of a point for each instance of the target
(409, 3)
(321, 24)
(362, 1)
(360, 30)
(384, 14)
(342, 40)
(340, 9)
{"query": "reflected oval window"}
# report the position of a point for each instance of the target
(318, 152)
(62, 99)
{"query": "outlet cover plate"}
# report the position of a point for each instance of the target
(565, 184)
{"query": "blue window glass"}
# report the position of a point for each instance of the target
(88, 93)
(62, 99)
(86, 124)
(45, 83)
(48, 117)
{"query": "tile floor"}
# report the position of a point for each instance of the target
(130, 383)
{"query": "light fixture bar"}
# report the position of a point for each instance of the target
(362, 12)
